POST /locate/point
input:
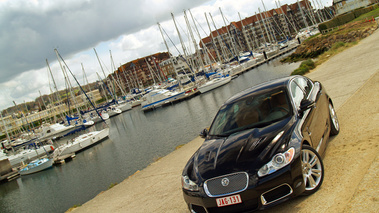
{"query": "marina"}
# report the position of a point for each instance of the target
(136, 139)
(71, 147)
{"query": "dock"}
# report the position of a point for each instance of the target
(242, 68)
(248, 65)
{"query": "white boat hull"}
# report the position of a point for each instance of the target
(214, 83)
(80, 142)
(54, 130)
(162, 99)
(36, 166)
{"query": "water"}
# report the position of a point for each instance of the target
(136, 140)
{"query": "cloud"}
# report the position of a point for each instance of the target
(32, 29)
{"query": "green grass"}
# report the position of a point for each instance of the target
(304, 67)
(112, 185)
(334, 50)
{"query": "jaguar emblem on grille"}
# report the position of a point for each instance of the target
(225, 182)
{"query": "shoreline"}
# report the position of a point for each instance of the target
(347, 77)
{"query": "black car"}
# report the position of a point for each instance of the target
(264, 147)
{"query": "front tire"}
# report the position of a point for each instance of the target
(334, 125)
(313, 169)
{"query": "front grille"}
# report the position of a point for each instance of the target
(237, 182)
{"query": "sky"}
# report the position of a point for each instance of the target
(30, 30)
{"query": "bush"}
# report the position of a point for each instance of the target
(309, 63)
(304, 67)
(337, 45)
(345, 18)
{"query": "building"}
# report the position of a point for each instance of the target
(344, 6)
(14, 124)
(141, 72)
(81, 100)
(174, 65)
(257, 31)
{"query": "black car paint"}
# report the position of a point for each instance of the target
(250, 149)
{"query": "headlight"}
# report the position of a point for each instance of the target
(279, 161)
(189, 184)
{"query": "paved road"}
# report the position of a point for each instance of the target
(351, 162)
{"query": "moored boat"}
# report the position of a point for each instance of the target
(214, 83)
(79, 143)
(36, 166)
(159, 97)
(47, 131)
(26, 154)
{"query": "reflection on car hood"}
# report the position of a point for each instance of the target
(244, 151)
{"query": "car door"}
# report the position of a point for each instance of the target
(319, 124)
(302, 89)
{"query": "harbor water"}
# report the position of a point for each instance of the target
(136, 139)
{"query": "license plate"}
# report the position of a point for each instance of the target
(226, 201)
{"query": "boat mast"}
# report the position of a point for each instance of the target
(116, 81)
(201, 41)
(180, 37)
(151, 73)
(264, 25)
(85, 81)
(302, 14)
(260, 28)
(57, 96)
(244, 34)
(59, 56)
(71, 92)
(214, 46)
(193, 40)
(230, 37)
(98, 59)
(222, 40)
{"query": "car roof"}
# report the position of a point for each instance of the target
(268, 85)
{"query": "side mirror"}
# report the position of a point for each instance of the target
(203, 133)
(306, 104)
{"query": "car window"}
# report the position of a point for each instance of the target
(297, 93)
(304, 84)
(252, 111)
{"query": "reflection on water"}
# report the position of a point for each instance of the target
(136, 139)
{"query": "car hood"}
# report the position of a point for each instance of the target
(246, 151)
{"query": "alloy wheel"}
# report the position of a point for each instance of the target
(312, 169)
(333, 117)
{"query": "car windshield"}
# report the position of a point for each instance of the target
(257, 110)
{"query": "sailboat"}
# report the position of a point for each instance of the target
(216, 80)
(159, 97)
(36, 166)
(79, 143)
(85, 140)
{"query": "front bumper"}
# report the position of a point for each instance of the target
(261, 192)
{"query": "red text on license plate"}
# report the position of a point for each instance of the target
(226, 201)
